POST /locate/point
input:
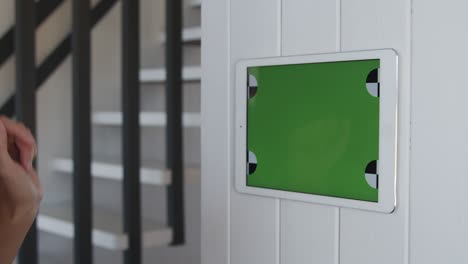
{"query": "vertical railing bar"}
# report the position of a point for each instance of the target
(43, 9)
(56, 57)
(82, 191)
(131, 129)
(174, 147)
(25, 19)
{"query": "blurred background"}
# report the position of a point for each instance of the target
(54, 119)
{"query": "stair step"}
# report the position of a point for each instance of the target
(189, 74)
(156, 175)
(151, 173)
(147, 119)
(196, 3)
(189, 35)
(107, 231)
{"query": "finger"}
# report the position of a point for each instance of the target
(18, 131)
(21, 153)
(13, 150)
(23, 140)
(4, 155)
(26, 155)
(36, 182)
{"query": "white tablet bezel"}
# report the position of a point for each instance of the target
(387, 167)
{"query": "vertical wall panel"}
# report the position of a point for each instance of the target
(255, 32)
(215, 140)
(366, 237)
(439, 199)
(309, 232)
(310, 26)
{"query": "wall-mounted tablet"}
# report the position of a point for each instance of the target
(319, 128)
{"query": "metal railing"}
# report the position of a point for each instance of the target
(81, 129)
(43, 10)
(25, 107)
(174, 151)
(20, 40)
(55, 58)
(131, 128)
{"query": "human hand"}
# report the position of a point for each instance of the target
(20, 189)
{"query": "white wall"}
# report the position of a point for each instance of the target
(439, 200)
(431, 227)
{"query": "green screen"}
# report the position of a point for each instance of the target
(314, 128)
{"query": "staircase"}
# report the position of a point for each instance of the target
(55, 220)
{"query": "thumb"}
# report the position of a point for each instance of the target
(4, 155)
